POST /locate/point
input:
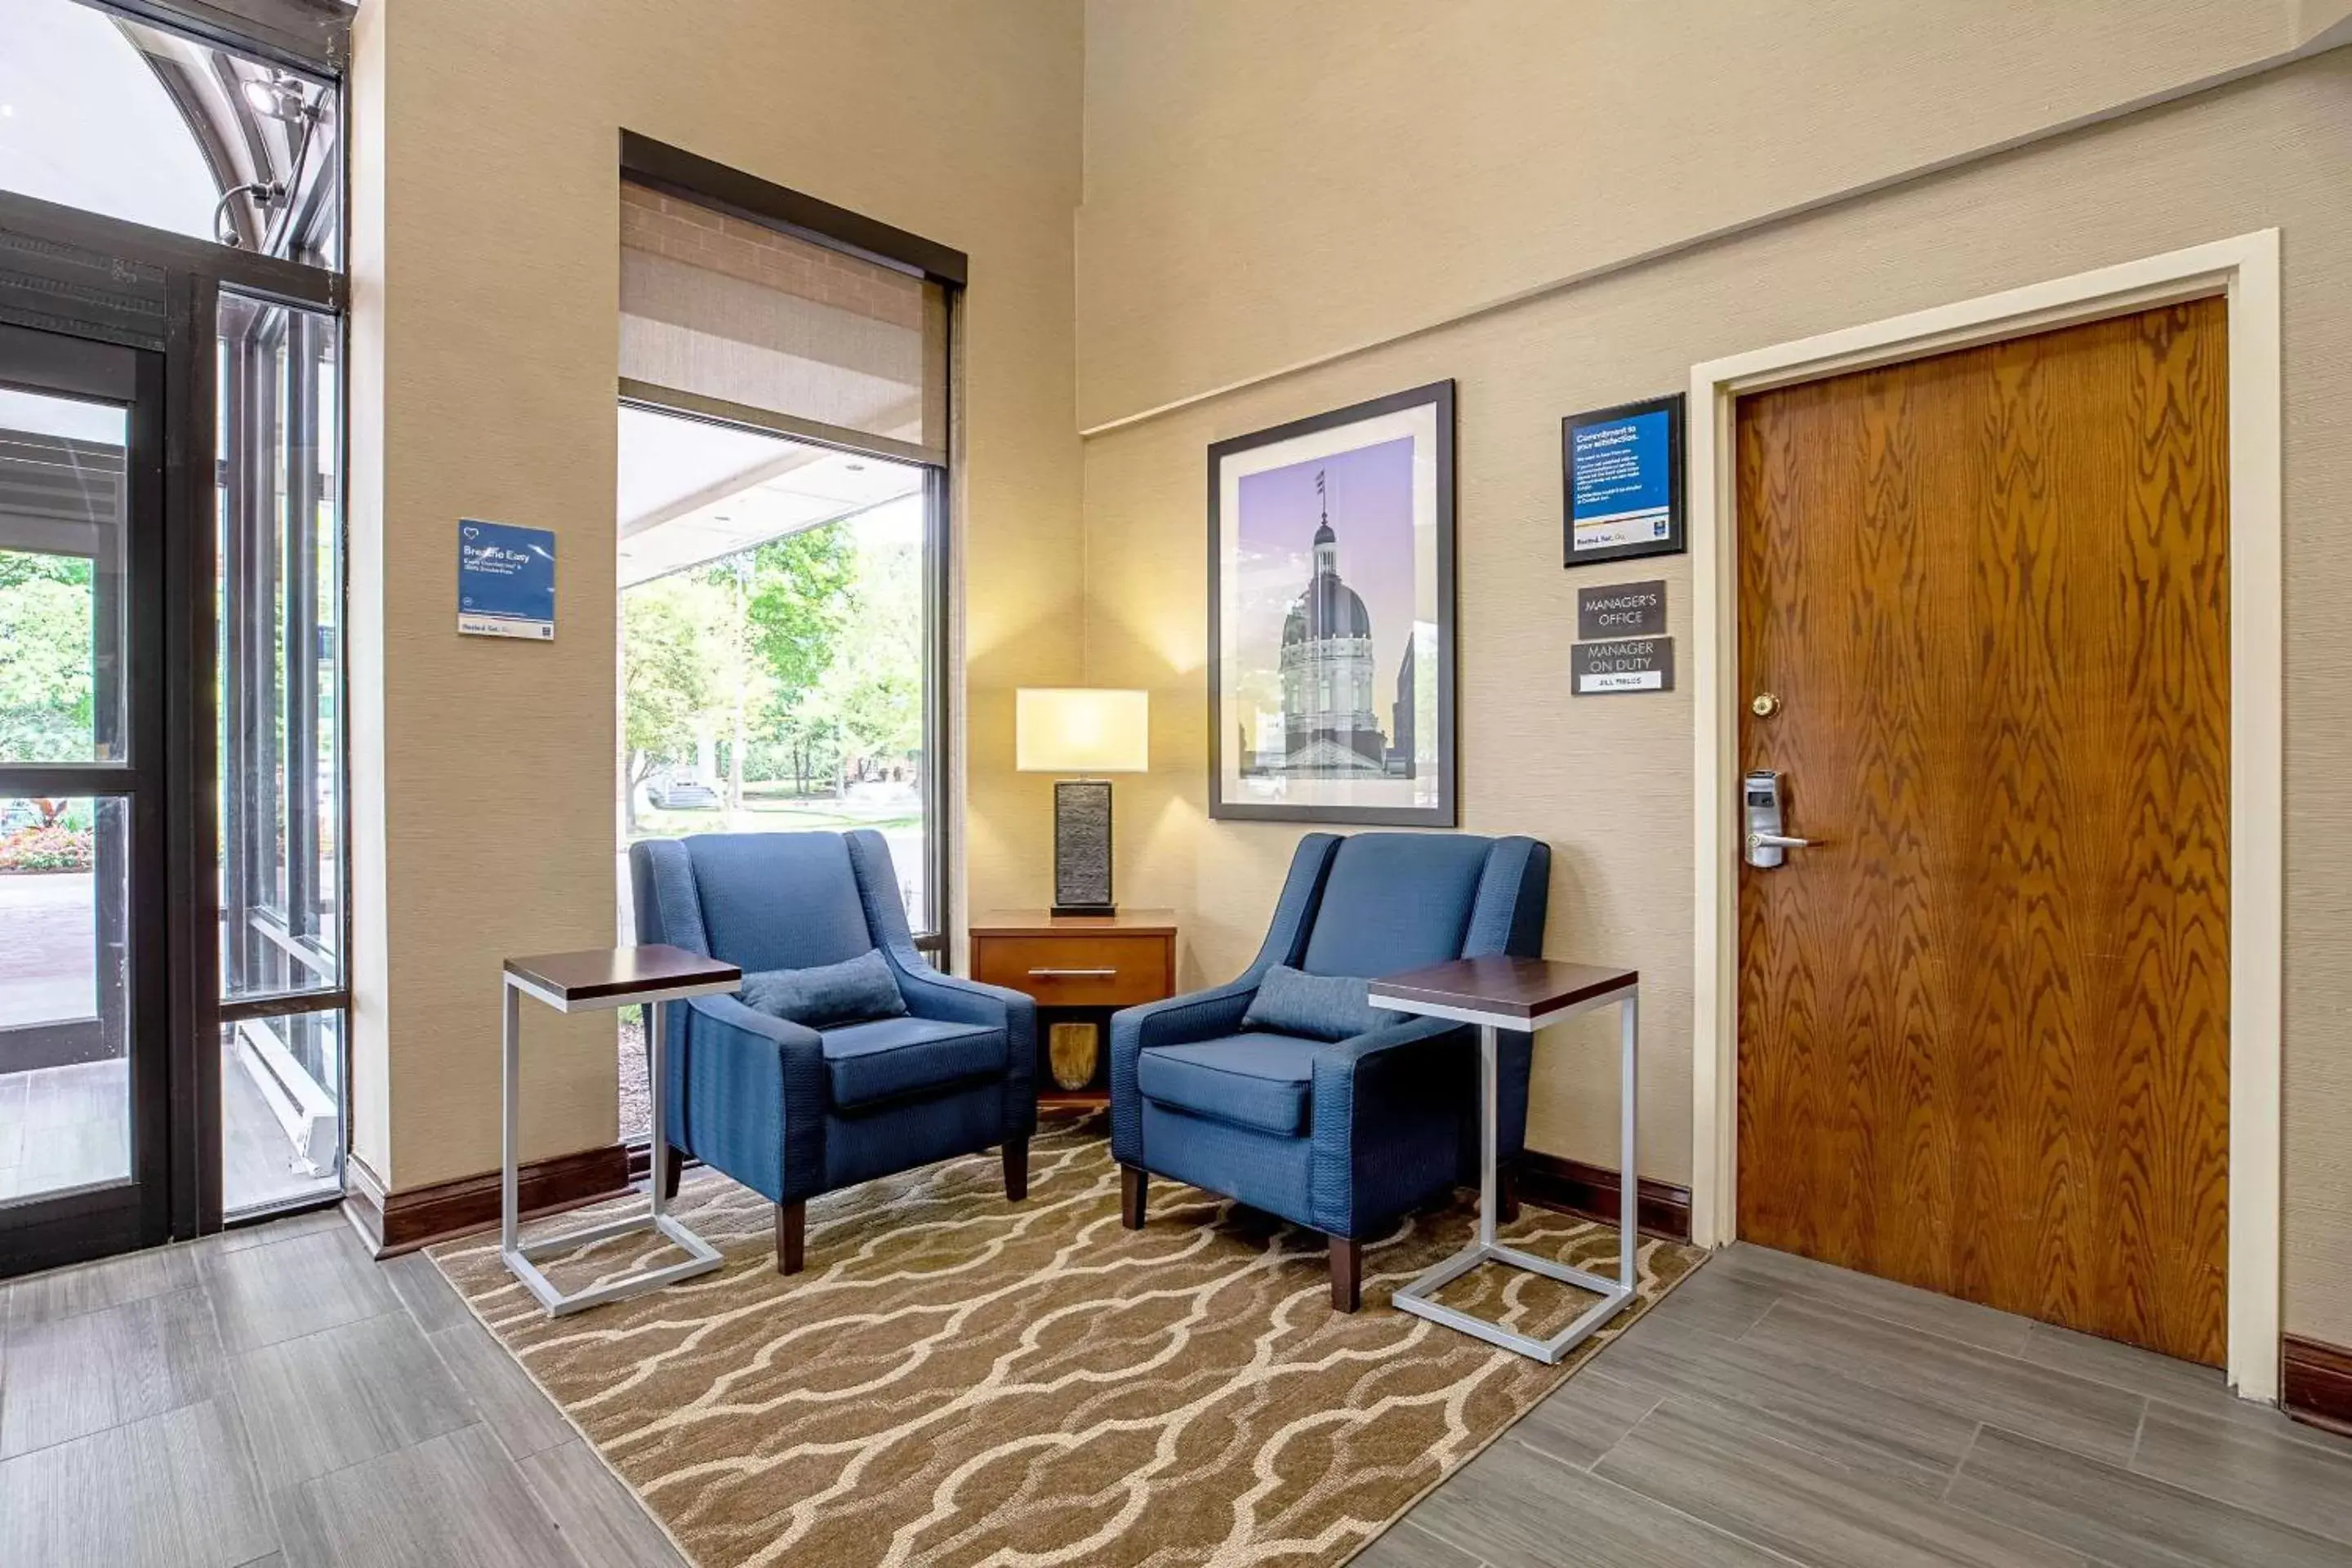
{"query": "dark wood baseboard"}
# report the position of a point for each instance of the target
(394, 1223)
(1591, 1192)
(2317, 1384)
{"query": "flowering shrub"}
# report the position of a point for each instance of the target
(53, 849)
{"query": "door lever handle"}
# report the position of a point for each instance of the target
(1776, 841)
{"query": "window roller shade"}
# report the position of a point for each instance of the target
(730, 311)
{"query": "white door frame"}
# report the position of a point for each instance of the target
(2245, 271)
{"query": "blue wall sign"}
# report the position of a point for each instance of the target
(1624, 480)
(506, 580)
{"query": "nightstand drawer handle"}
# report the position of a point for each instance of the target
(1072, 974)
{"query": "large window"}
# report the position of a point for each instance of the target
(773, 650)
(783, 428)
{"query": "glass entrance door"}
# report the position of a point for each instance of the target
(83, 1160)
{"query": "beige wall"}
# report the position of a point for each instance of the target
(1272, 181)
(1250, 282)
(1265, 184)
(485, 282)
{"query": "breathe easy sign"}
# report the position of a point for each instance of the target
(506, 580)
(1622, 610)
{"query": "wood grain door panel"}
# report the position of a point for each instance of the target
(1984, 1020)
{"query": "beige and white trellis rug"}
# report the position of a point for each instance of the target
(956, 1380)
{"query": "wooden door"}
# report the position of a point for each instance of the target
(1984, 1019)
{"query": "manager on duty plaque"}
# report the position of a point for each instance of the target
(1626, 665)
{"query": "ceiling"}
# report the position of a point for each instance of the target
(693, 492)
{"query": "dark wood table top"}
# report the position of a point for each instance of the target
(602, 972)
(1514, 987)
(1045, 922)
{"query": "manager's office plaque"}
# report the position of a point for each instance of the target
(1622, 610)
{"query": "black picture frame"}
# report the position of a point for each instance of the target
(1438, 396)
(1677, 538)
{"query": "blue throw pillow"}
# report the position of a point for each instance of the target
(846, 992)
(1318, 1006)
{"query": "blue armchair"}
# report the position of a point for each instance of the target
(1343, 1136)
(793, 1113)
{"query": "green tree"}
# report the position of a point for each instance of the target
(45, 660)
(802, 595)
(876, 681)
(810, 732)
(29, 566)
(669, 677)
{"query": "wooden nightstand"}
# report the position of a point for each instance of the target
(1081, 969)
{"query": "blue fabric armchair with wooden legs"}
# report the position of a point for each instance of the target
(1340, 1135)
(791, 1111)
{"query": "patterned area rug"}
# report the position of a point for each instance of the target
(956, 1380)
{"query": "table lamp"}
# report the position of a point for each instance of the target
(1081, 730)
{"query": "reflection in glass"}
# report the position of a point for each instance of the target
(61, 579)
(65, 1008)
(281, 1130)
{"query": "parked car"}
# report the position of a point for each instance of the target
(684, 793)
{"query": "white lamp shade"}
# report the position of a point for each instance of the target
(1081, 729)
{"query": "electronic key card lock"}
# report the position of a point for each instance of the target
(1763, 794)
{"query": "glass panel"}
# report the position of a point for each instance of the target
(281, 1111)
(636, 1092)
(774, 674)
(65, 996)
(62, 527)
(138, 122)
(280, 651)
(722, 307)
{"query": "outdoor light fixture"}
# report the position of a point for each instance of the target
(1073, 730)
(278, 96)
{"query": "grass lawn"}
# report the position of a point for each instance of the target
(766, 810)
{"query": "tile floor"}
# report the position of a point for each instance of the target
(271, 1396)
(1774, 1410)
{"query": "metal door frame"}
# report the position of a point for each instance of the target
(158, 293)
(37, 1232)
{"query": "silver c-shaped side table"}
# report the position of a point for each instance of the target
(1524, 995)
(594, 981)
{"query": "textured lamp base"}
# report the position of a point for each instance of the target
(1082, 848)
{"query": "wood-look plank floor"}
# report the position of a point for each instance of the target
(271, 1396)
(1775, 1410)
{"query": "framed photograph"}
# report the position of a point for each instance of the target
(1622, 472)
(1331, 616)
